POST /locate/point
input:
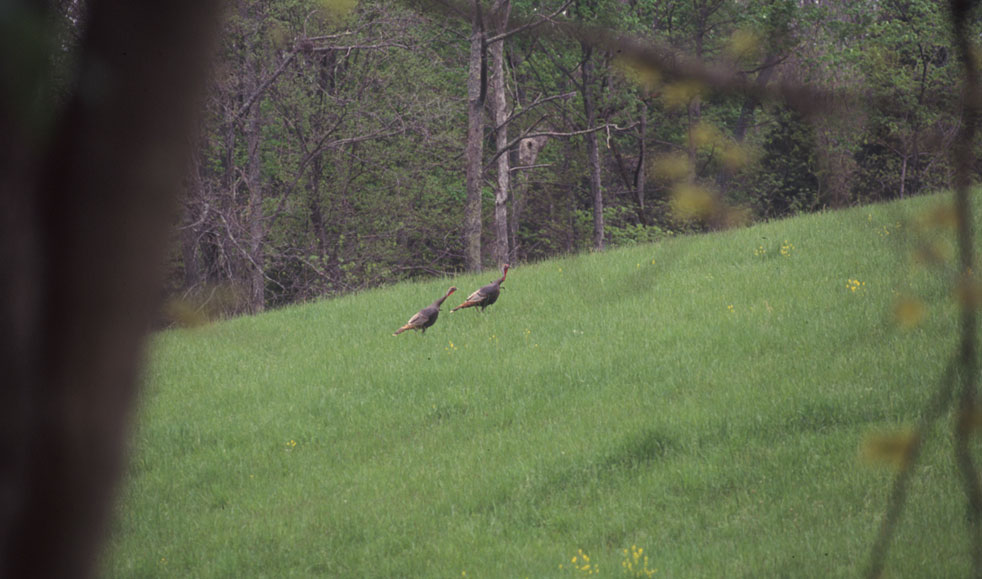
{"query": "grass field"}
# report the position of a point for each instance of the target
(704, 399)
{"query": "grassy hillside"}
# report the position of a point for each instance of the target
(703, 399)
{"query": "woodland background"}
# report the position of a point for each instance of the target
(347, 146)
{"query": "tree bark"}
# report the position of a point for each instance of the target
(500, 11)
(639, 174)
(694, 113)
(254, 212)
(593, 150)
(903, 174)
(253, 180)
(474, 152)
(191, 226)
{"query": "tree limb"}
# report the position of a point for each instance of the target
(529, 25)
(265, 85)
(531, 107)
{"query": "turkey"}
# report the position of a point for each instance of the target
(425, 317)
(485, 296)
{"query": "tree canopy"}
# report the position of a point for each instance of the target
(336, 153)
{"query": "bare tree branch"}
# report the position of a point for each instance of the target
(529, 25)
(531, 107)
(808, 100)
(321, 146)
(901, 484)
(350, 47)
(526, 167)
(264, 85)
(561, 134)
(245, 253)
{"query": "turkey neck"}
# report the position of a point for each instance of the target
(503, 276)
(440, 301)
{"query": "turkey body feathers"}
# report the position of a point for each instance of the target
(485, 296)
(425, 317)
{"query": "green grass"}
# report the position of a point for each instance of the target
(606, 401)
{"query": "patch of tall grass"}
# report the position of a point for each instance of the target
(702, 399)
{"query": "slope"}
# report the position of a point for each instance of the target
(702, 399)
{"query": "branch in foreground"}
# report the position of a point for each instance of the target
(527, 26)
(968, 349)
(808, 100)
(901, 484)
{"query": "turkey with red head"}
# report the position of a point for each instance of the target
(485, 296)
(425, 317)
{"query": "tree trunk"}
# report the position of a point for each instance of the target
(500, 12)
(474, 152)
(221, 253)
(695, 105)
(253, 181)
(528, 151)
(746, 117)
(634, 183)
(903, 174)
(639, 175)
(193, 220)
(694, 114)
(314, 205)
(593, 150)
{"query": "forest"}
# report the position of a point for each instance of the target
(348, 145)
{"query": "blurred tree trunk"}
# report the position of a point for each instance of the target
(89, 196)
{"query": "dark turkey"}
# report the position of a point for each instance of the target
(485, 296)
(425, 317)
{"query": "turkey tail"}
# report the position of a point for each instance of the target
(464, 305)
(402, 329)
